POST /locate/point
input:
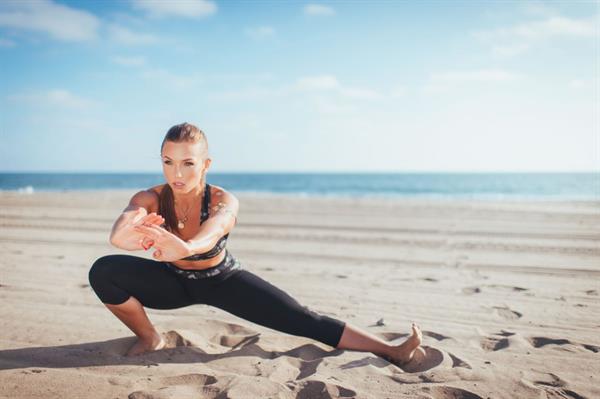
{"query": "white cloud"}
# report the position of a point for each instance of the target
(59, 21)
(54, 98)
(321, 82)
(318, 9)
(330, 107)
(7, 42)
(122, 35)
(517, 39)
(509, 50)
(321, 89)
(578, 83)
(359, 94)
(481, 75)
(130, 61)
(177, 8)
(550, 27)
(260, 32)
(331, 83)
(249, 93)
(445, 80)
(398, 92)
(556, 26)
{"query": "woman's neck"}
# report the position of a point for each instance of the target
(189, 198)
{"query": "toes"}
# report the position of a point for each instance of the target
(416, 330)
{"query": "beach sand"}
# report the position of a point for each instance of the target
(506, 293)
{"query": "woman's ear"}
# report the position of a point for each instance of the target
(207, 163)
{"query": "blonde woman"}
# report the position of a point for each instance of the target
(188, 221)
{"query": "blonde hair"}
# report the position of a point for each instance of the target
(184, 132)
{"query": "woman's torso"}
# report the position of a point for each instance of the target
(191, 228)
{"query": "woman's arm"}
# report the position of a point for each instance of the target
(223, 210)
(123, 234)
(169, 247)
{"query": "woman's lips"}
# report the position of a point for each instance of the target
(179, 184)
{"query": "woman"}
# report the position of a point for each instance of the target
(187, 222)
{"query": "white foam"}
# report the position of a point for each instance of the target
(27, 190)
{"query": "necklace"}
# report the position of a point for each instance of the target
(181, 222)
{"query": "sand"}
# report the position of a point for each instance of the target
(506, 293)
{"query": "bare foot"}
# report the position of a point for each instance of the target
(141, 345)
(407, 351)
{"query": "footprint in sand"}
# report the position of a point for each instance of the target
(181, 387)
(446, 392)
(507, 313)
(312, 389)
(592, 292)
(492, 344)
(538, 342)
(552, 381)
(507, 287)
(505, 333)
(458, 362)
(471, 290)
(436, 336)
(190, 379)
(554, 387)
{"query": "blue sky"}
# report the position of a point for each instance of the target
(392, 86)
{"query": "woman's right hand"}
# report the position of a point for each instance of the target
(126, 237)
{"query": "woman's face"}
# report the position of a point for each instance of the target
(183, 165)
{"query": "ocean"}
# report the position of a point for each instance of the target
(544, 186)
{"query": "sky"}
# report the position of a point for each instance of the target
(354, 86)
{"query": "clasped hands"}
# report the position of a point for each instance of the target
(167, 246)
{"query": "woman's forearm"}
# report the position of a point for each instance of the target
(204, 241)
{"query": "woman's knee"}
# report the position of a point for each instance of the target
(100, 269)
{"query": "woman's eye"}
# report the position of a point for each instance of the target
(187, 163)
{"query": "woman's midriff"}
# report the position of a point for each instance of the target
(200, 264)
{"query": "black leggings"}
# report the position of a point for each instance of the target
(115, 278)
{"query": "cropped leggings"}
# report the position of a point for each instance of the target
(115, 278)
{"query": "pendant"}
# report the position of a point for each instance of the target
(180, 225)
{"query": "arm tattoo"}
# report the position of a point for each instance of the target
(221, 208)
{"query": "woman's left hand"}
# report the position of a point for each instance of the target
(168, 247)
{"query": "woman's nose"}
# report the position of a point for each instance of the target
(178, 172)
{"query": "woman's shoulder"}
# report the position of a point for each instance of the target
(148, 198)
(157, 190)
(217, 194)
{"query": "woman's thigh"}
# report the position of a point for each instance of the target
(115, 278)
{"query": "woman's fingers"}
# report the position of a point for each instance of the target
(153, 218)
(152, 231)
(147, 242)
(139, 215)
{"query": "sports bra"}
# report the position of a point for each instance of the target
(220, 245)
